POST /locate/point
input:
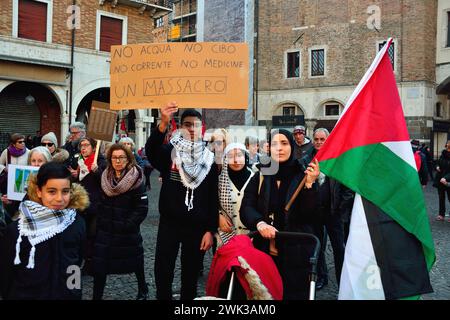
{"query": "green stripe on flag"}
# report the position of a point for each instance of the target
(382, 177)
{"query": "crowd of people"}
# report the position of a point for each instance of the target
(85, 209)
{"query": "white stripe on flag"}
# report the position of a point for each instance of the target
(360, 277)
(403, 150)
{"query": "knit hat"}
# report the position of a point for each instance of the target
(50, 137)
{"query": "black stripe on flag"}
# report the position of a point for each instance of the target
(399, 255)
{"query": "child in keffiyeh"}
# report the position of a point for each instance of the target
(233, 180)
(42, 247)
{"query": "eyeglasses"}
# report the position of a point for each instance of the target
(20, 141)
(74, 132)
(121, 158)
(49, 144)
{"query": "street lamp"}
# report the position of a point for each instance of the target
(29, 100)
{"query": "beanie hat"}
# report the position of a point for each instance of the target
(50, 137)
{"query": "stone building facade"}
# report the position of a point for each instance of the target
(56, 53)
(311, 54)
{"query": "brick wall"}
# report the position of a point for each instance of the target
(351, 47)
(6, 17)
(140, 26)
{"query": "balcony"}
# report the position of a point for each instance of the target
(157, 8)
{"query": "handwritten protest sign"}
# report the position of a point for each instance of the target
(18, 177)
(194, 74)
(101, 122)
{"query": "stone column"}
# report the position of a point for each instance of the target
(140, 135)
(64, 128)
(310, 125)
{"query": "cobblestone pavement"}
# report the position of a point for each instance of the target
(124, 287)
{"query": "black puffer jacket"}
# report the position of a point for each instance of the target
(118, 244)
(56, 260)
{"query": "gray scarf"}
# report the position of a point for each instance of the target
(131, 180)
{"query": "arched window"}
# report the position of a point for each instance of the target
(289, 109)
(332, 109)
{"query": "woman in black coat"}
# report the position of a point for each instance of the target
(124, 206)
(263, 206)
(88, 174)
(442, 169)
(41, 259)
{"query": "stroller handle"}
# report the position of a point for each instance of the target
(298, 235)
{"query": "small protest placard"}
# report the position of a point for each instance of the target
(18, 177)
(101, 122)
(194, 74)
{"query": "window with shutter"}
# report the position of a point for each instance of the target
(110, 33)
(293, 64)
(32, 20)
(317, 62)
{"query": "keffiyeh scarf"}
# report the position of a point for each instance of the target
(193, 161)
(39, 223)
(226, 202)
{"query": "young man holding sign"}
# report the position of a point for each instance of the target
(188, 202)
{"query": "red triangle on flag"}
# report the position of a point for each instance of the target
(374, 113)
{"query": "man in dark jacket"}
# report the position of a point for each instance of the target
(442, 170)
(188, 202)
(77, 132)
(303, 144)
(334, 205)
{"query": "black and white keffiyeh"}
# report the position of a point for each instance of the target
(193, 161)
(226, 202)
(39, 223)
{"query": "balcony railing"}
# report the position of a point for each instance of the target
(157, 8)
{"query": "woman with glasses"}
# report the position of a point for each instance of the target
(15, 153)
(123, 207)
(88, 175)
(36, 158)
(50, 141)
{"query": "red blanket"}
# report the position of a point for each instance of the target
(237, 253)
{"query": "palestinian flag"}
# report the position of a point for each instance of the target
(390, 249)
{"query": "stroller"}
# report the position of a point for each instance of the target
(254, 270)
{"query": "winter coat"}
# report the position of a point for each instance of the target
(118, 245)
(172, 208)
(22, 160)
(91, 182)
(293, 256)
(444, 168)
(304, 149)
(55, 258)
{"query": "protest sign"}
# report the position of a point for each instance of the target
(194, 74)
(101, 124)
(18, 177)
